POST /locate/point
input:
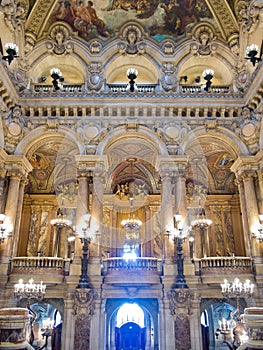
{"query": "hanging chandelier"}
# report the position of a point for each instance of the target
(131, 223)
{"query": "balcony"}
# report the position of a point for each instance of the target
(142, 270)
(223, 265)
(40, 265)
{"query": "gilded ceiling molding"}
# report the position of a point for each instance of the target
(39, 13)
(224, 17)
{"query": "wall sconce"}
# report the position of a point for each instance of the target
(259, 234)
(132, 74)
(57, 77)
(208, 75)
(5, 229)
(251, 53)
(12, 52)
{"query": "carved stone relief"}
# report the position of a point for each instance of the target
(168, 77)
(131, 41)
(203, 37)
(60, 40)
(83, 310)
(180, 304)
(95, 76)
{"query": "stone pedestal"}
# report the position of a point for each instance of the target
(14, 329)
(253, 318)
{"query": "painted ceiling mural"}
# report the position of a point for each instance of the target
(165, 18)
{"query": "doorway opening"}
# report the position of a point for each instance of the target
(132, 325)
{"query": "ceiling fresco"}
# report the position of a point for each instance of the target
(162, 19)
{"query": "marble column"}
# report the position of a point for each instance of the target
(166, 326)
(244, 216)
(195, 326)
(2, 189)
(166, 209)
(260, 191)
(181, 204)
(97, 209)
(11, 208)
(97, 329)
(68, 329)
(82, 207)
(16, 229)
(252, 208)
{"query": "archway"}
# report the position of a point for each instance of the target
(130, 336)
(131, 325)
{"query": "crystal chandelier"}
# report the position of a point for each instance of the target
(61, 220)
(30, 290)
(131, 224)
(201, 221)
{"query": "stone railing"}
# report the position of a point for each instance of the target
(35, 265)
(115, 90)
(197, 89)
(223, 265)
(140, 88)
(67, 88)
(139, 264)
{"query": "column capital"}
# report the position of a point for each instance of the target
(247, 163)
(87, 163)
(14, 163)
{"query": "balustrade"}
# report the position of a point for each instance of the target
(28, 265)
(222, 265)
(139, 264)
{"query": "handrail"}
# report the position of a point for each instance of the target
(29, 263)
(140, 263)
(222, 263)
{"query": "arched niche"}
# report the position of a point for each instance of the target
(116, 71)
(71, 69)
(131, 144)
(194, 66)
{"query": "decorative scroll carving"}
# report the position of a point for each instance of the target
(241, 75)
(169, 79)
(132, 43)
(95, 77)
(203, 44)
(180, 304)
(60, 40)
(83, 309)
(179, 299)
(15, 12)
(248, 13)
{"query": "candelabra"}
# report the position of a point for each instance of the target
(132, 74)
(46, 331)
(57, 77)
(5, 229)
(12, 52)
(179, 236)
(251, 53)
(59, 223)
(29, 290)
(86, 236)
(208, 75)
(236, 290)
(259, 234)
